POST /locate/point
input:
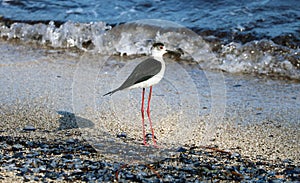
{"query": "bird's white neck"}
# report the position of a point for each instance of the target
(158, 55)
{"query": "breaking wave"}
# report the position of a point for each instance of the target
(262, 56)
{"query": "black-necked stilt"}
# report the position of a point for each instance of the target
(146, 74)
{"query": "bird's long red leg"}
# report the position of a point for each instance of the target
(148, 113)
(143, 118)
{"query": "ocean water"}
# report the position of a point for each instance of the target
(256, 37)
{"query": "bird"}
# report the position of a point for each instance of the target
(146, 74)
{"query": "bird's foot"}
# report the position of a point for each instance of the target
(145, 144)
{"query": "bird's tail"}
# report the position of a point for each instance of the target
(111, 92)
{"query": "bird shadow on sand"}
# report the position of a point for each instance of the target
(118, 148)
(69, 120)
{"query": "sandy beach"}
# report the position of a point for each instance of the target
(58, 92)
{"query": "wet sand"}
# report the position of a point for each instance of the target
(59, 90)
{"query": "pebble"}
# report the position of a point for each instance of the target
(72, 160)
(122, 135)
(17, 147)
(29, 128)
(181, 149)
(149, 136)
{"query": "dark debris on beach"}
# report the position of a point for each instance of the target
(44, 160)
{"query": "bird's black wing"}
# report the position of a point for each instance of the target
(142, 72)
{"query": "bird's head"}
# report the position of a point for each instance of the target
(158, 50)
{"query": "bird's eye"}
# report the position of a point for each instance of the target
(161, 47)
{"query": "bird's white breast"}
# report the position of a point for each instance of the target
(155, 79)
